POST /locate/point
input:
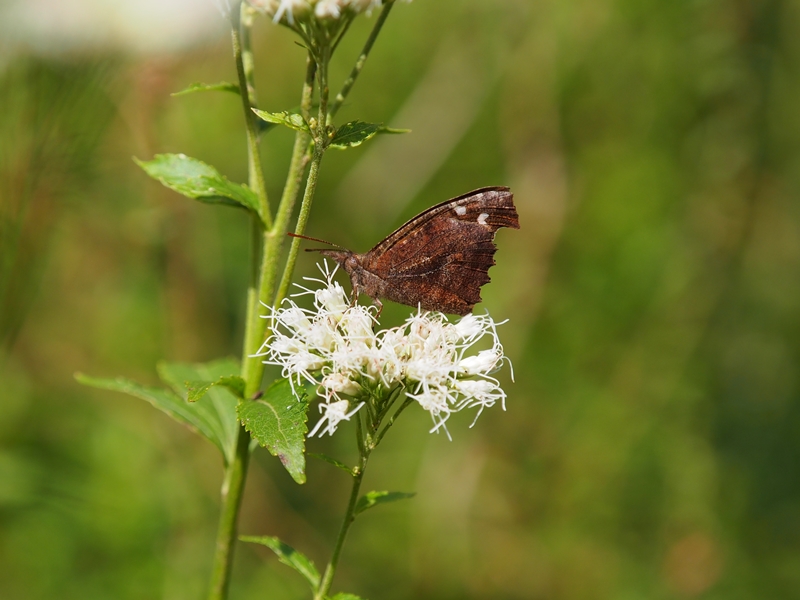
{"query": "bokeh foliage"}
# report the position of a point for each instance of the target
(651, 446)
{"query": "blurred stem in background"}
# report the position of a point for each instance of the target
(51, 126)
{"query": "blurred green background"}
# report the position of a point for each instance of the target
(651, 446)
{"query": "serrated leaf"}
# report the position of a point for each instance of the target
(345, 596)
(198, 389)
(195, 179)
(165, 400)
(371, 499)
(288, 556)
(217, 406)
(222, 86)
(288, 119)
(278, 421)
(356, 133)
(332, 461)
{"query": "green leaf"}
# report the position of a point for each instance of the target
(356, 133)
(288, 556)
(195, 179)
(332, 461)
(167, 401)
(217, 406)
(278, 421)
(290, 120)
(371, 499)
(222, 86)
(353, 134)
(198, 389)
(345, 596)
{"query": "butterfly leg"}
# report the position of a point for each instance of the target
(379, 304)
(356, 291)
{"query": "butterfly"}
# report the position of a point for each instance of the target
(439, 259)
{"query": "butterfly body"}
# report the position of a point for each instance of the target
(439, 259)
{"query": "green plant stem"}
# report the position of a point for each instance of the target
(362, 59)
(320, 143)
(386, 406)
(231, 501)
(300, 158)
(242, 21)
(267, 244)
(345, 28)
(326, 112)
(272, 245)
(248, 63)
(349, 517)
(236, 471)
(366, 439)
(302, 219)
(406, 403)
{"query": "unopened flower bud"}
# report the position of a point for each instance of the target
(482, 363)
(328, 9)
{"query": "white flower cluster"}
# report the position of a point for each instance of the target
(334, 347)
(291, 10)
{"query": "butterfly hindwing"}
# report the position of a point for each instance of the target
(440, 258)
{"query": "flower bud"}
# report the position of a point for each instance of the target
(339, 383)
(328, 9)
(482, 363)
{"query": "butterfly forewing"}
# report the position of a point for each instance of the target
(440, 258)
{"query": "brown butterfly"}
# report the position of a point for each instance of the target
(439, 259)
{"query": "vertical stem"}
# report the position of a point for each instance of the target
(367, 439)
(274, 238)
(406, 403)
(242, 21)
(349, 516)
(302, 219)
(362, 58)
(232, 491)
(267, 242)
(248, 63)
(236, 470)
(326, 112)
(322, 73)
(320, 144)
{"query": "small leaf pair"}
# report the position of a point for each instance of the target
(349, 135)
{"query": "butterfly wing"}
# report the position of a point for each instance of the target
(440, 258)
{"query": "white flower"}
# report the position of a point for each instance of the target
(296, 319)
(266, 6)
(328, 9)
(339, 383)
(331, 298)
(437, 401)
(292, 9)
(482, 363)
(335, 347)
(334, 413)
(483, 393)
(362, 5)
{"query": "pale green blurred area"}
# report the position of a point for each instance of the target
(651, 443)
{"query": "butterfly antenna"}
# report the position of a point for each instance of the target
(311, 239)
